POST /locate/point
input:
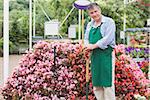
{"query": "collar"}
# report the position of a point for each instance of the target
(103, 20)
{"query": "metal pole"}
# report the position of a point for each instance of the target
(82, 26)
(79, 29)
(54, 56)
(67, 16)
(34, 14)
(6, 39)
(43, 10)
(124, 18)
(30, 25)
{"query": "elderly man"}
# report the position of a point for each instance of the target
(100, 40)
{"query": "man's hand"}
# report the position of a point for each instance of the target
(91, 46)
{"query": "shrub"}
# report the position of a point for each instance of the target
(129, 78)
(12, 48)
(40, 78)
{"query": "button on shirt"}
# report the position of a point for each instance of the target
(107, 29)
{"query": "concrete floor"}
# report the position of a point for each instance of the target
(13, 62)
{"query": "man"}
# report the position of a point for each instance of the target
(100, 39)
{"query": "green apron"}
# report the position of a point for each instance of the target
(101, 61)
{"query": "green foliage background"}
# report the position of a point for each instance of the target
(137, 15)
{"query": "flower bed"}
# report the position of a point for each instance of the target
(129, 78)
(137, 52)
(37, 77)
(144, 66)
(141, 56)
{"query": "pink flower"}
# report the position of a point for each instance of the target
(37, 76)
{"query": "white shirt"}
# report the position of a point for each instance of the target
(107, 29)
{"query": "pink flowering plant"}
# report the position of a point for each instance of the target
(38, 78)
(144, 65)
(129, 78)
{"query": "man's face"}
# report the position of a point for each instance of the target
(95, 13)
